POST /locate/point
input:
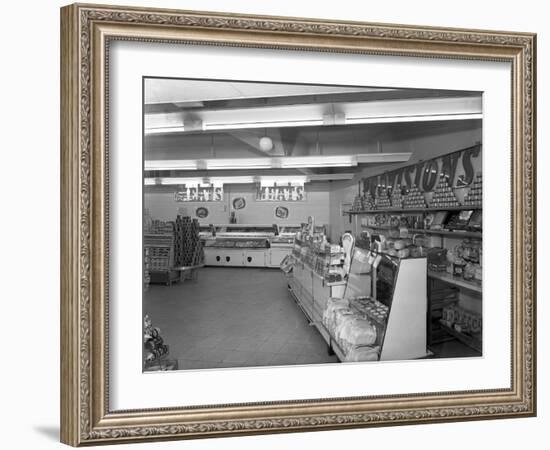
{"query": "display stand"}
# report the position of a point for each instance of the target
(387, 280)
(310, 291)
(405, 333)
(444, 238)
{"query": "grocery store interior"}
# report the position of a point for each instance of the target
(289, 224)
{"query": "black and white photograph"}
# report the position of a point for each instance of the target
(371, 252)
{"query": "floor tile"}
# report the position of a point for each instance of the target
(232, 317)
(236, 356)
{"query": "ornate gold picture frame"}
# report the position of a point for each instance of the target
(86, 33)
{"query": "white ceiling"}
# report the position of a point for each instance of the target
(159, 90)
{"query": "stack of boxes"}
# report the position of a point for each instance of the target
(443, 196)
(474, 196)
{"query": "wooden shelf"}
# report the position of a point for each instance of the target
(455, 234)
(473, 341)
(413, 210)
(448, 278)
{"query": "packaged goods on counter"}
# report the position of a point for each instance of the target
(333, 312)
(461, 320)
(437, 259)
(371, 308)
(366, 353)
(354, 331)
(334, 277)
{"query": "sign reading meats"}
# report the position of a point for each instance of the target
(281, 193)
(458, 167)
(197, 193)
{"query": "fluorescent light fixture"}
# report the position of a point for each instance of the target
(318, 161)
(184, 164)
(169, 181)
(298, 180)
(285, 162)
(269, 180)
(164, 130)
(319, 114)
(236, 163)
(271, 124)
(417, 118)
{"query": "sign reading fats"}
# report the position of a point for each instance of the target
(458, 168)
(281, 193)
(199, 193)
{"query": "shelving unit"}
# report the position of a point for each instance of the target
(413, 210)
(436, 332)
(454, 234)
(472, 341)
(450, 279)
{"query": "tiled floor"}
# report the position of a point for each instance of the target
(234, 317)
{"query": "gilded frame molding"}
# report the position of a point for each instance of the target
(85, 34)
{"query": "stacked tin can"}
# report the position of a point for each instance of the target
(382, 201)
(367, 202)
(357, 206)
(397, 198)
(443, 196)
(414, 199)
(474, 197)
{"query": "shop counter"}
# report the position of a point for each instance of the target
(400, 303)
(245, 257)
(311, 291)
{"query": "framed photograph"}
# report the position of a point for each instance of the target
(397, 288)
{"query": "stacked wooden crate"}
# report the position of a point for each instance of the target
(160, 249)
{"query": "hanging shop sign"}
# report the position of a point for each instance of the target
(459, 169)
(278, 193)
(198, 193)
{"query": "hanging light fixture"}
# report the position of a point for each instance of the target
(266, 143)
